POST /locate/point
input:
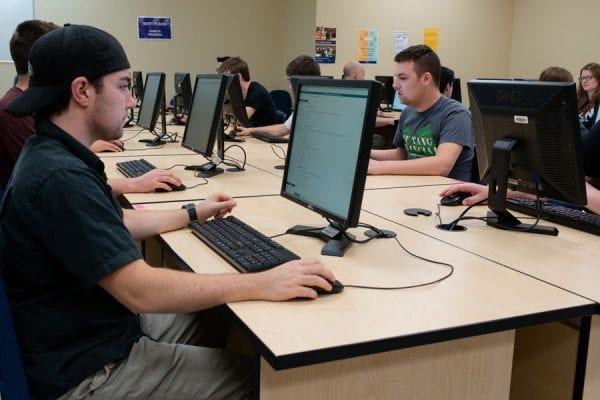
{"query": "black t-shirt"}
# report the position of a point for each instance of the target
(61, 231)
(259, 98)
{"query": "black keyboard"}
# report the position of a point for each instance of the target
(563, 215)
(134, 168)
(270, 138)
(241, 245)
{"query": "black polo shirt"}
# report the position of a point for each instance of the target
(61, 231)
(259, 98)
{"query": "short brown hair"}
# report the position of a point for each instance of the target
(235, 65)
(24, 37)
(556, 74)
(425, 60)
(303, 65)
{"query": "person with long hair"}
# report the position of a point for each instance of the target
(588, 94)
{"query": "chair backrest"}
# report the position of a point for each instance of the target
(13, 384)
(283, 101)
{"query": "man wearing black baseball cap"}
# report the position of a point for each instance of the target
(79, 290)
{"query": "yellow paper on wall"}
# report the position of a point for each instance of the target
(431, 38)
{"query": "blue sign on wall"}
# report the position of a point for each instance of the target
(154, 28)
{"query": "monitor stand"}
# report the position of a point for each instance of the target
(207, 170)
(158, 139)
(338, 240)
(498, 216)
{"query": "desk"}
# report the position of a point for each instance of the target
(568, 261)
(452, 340)
(250, 182)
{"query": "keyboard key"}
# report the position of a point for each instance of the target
(241, 245)
(561, 214)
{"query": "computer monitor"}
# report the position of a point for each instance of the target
(397, 105)
(183, 92)
(527, 139)
(153, 105)
(388, 94)
(234, 101)
(137, 85)
(456, 91)
(296, 78)
(328, 154)
(204, 123)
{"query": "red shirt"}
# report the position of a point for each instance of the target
(14, 132)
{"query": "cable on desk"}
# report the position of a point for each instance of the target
(274, 146)
(197, 175)
(381, 234)
(135, 135)
(231, 161)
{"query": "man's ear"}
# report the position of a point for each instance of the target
(80, 90)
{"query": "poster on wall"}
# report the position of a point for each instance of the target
(154, 28)
(367, 46)
(400, 41)
(431, 38)
(325, 41)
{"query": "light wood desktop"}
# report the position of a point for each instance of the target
(250, 182)
(449, 340)
(569, 260)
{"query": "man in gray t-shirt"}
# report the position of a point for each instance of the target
(434, 134)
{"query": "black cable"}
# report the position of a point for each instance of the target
(273, 146)
(135, 135)
(231, 161)
(381, 235)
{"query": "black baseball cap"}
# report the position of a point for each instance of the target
(62, 55)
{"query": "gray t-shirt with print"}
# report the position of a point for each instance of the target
(447, 121)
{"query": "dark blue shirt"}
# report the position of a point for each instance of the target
(259, 98)
(61, 231)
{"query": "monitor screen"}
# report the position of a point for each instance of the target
(328, 152)
(204, 120)
(137, 85)
(183, 92)
(397, 105)
(234, 101)
(154, 92)
(388, 94)
(527, 138)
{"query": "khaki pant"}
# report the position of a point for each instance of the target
(173, 363)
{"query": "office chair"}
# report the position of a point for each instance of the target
(283, 102)
(13, 384)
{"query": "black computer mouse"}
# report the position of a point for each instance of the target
(337, 287)
(454, 199)
(173, 188)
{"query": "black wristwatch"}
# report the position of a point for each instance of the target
(191, 209)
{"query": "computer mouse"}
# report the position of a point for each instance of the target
(173, 187)
(337, 287)
(454, 199)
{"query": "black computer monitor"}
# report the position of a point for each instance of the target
(204, 123)
(456, 91)
(137, 85)
(387, 96)
(183, 92)
(328, 154)
(296, 78)
(234, 101)
(527, 139)
(153, 106)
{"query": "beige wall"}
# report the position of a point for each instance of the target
(478, 38)
(474, 35)
(554, 32)
(202, 30)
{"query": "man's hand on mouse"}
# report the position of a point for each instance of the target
(294, 279)
(478, 192)
(100, 146)
(152, 180)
